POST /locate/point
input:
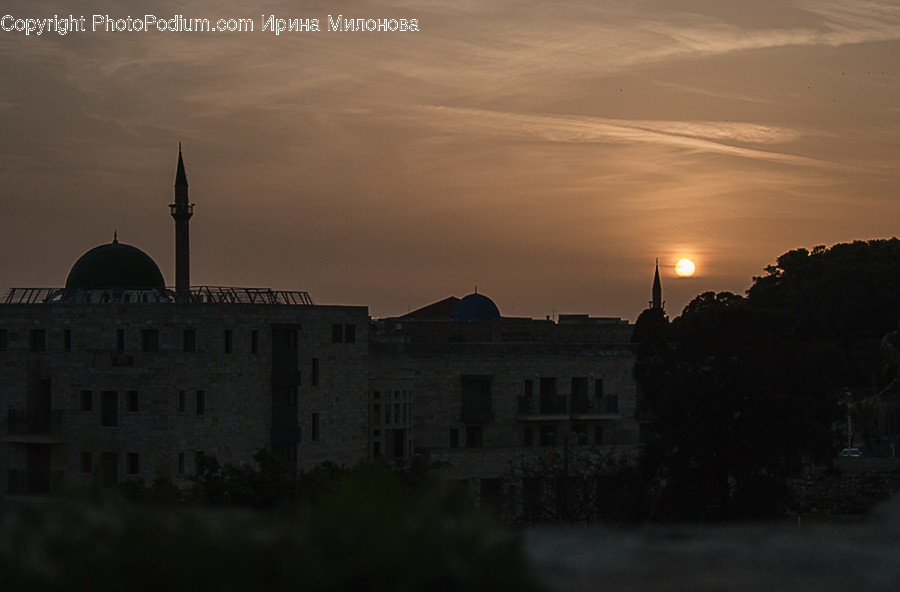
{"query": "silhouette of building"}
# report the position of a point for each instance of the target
(117, 376)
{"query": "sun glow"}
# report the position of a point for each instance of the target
(685, 268)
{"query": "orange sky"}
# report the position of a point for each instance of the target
(546, 152)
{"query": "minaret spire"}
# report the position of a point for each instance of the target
(657, 301)
(181, 211)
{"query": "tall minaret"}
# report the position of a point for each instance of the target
(182, 210)
(657, 301)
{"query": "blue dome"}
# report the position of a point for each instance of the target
(476, 307)
(115, 266)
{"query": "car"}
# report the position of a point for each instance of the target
(853, 452)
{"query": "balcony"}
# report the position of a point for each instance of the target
(29, 427)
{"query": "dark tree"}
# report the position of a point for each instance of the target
(741, 405)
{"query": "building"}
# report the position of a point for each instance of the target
(115, 376)
(458, 385)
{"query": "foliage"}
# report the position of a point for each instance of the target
(739, 406)
(370, 533)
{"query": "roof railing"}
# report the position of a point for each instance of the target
(198, 294)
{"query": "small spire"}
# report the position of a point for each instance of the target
(115, 237)
(180, 175)
(656, 293)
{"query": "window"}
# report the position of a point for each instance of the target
(120, 340)
(149, 340)
(132, 401)
(598, 435)
(132, 463)
(182, 401)
(109, 467)
(581, 402)
(612, 404)
(598, 387)
(454, 437)
(343, 333)
(86, 400)
(37, 340)
(180, 463)
(67, 340)
(189, 340)
(527, 436)
(550, 402)
(87, 462)
(229, 341)
(314, 372)
(474, 436)
(376, 413)
(476, 399)
(579, 434)
(4, 339)
(109, 410)
(314, 427)
(201, 402)
(548, 435)
(254, 341)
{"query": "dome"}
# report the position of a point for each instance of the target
(476, 307)
(115, 266)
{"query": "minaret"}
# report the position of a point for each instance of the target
(657, 301)
(181, 211)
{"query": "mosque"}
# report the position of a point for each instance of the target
(116, 376)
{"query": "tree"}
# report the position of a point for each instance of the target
(741, 406)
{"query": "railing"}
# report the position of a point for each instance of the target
(553, 404)
(212, 294)
(30, 423)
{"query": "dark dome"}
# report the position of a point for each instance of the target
(115, 266)
(476, 307)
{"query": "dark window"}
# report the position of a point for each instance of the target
(284, 339)
(229, 341)
(285, 395)
(548, 435)
(182, 401)
(314, 372)
(67, 340)
(612, 404)
(551, 403)
(337, 333)
(37, 340)
(598, 387)
(376, 449)
(598, 435)
(120, 340)
(181, 463)
(527, 436)
(149, 340)
(109, 410)
(476, 399)
(454, 437)
(132, 401)
(579, 434)
(87, 400)
(314, 427)
(376, 412)
(87, 462)
(349, 333)
(189, 340)
(132, 463)
(198, 461)
(492, 495)
(201, 402)
(254, 341)
(109, 466)
(4, 339)
(581, 401)
(474, 436)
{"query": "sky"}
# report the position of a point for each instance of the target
(546, 153)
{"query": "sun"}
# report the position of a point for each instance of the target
(685, 268)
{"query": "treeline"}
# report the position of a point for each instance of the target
(745, 391)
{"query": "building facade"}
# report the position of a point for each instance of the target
(116, 376)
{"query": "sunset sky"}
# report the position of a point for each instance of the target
(546, 152)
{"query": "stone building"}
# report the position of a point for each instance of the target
(116, 376)
(457, 384)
